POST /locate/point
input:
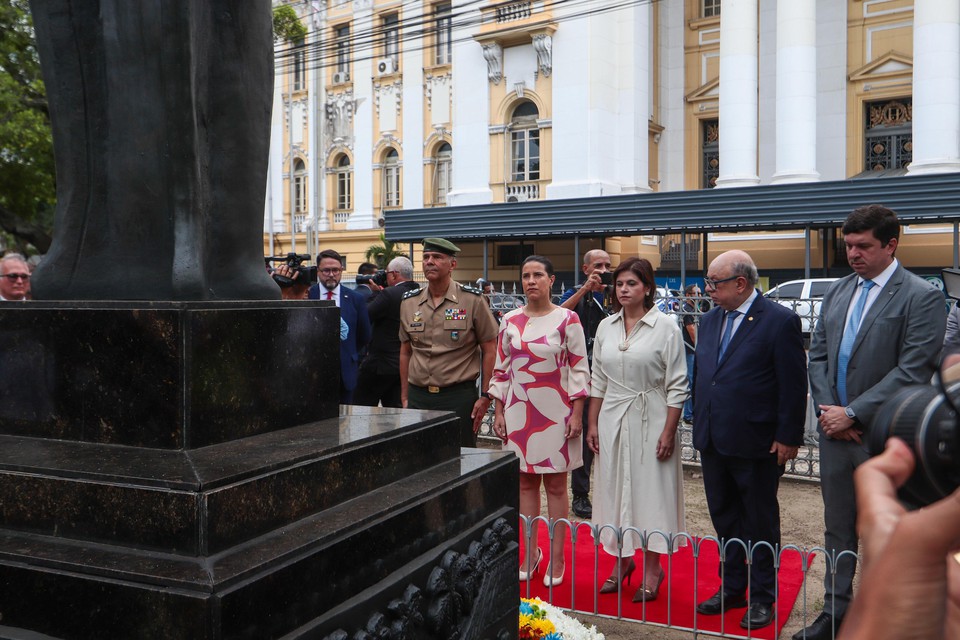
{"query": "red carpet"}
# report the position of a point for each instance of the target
(687, 582)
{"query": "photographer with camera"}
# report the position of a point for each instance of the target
(369, 279)
(911, 575)
(293, 278)
(588, 301)
(379, 381)
(880, 329)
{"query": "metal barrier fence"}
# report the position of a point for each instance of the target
(574, 530)
(805, 466)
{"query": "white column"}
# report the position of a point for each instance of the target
(639, 157)
(363, 140)
(936, 87)
(414, 104)
(672, 104)
(796, 91)
(317, 183)
(274, 220)
(738, 94)
(471, 119)
(592, 84)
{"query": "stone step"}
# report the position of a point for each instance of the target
(206, 500)
(277, 582)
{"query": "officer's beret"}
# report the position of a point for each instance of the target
(440, 246)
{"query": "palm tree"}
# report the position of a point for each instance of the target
(383, 253)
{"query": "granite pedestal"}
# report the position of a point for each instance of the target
(182, 470)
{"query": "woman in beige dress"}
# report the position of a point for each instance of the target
(638, 388)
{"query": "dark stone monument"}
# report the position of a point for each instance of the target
(173, 463)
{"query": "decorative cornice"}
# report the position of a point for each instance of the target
(381, 90)
(493, 54)
(431, 81)
(543, 45)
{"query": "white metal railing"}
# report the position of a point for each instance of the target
(523, 191)
(299, 221)
(804, 607)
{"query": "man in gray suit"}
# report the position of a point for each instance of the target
(880, 329)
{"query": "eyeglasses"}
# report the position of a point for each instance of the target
(389, 272)
(17, 276)
(709, 283)
(330, 272)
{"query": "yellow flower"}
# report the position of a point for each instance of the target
(543, 627)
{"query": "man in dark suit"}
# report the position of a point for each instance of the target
(587, 301)
(749, 403)
(353, 310)
(880, 329)
(379, 381)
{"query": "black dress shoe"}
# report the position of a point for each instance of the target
(582, 507)
(713, 607)
(822, 628)
(758, 615)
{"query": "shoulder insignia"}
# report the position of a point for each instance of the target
(470, 289)
(411, 293)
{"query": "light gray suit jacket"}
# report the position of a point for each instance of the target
(898, 343)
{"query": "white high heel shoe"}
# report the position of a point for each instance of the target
(549, 580)
(526, 575)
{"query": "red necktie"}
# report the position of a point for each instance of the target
(329, 295)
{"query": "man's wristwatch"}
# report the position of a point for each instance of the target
(484, 394)
(849, 413)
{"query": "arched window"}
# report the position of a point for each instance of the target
(442, 176)
(344, 183)
(391, 179)
(299, 186)
(524, 143)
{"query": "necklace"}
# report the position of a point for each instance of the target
(627, 339)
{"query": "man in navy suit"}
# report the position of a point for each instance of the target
(353, 311)
(749, 403)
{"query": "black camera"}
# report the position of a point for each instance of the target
(606, 277)
(379, 278)
(308, 275)
(925, 417)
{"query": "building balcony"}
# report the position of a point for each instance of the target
(522, 191)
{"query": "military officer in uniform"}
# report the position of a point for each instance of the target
(447, 338)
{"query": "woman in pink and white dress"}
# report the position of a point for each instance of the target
(540, 382)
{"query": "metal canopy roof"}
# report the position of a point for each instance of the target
(916, 199)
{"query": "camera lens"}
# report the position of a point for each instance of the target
(923, 418)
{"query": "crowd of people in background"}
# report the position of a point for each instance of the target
(603, 379)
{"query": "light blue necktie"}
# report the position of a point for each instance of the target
(849, 337)
(727, 333)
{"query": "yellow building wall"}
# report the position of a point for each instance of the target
(877, 32)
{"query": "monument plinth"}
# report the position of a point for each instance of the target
(175, 465)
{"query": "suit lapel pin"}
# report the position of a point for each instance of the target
(749, 318)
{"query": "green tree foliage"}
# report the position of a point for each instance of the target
(383, 253)
(27, 177)
(286, 24)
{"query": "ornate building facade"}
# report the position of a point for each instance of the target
(420, 104)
